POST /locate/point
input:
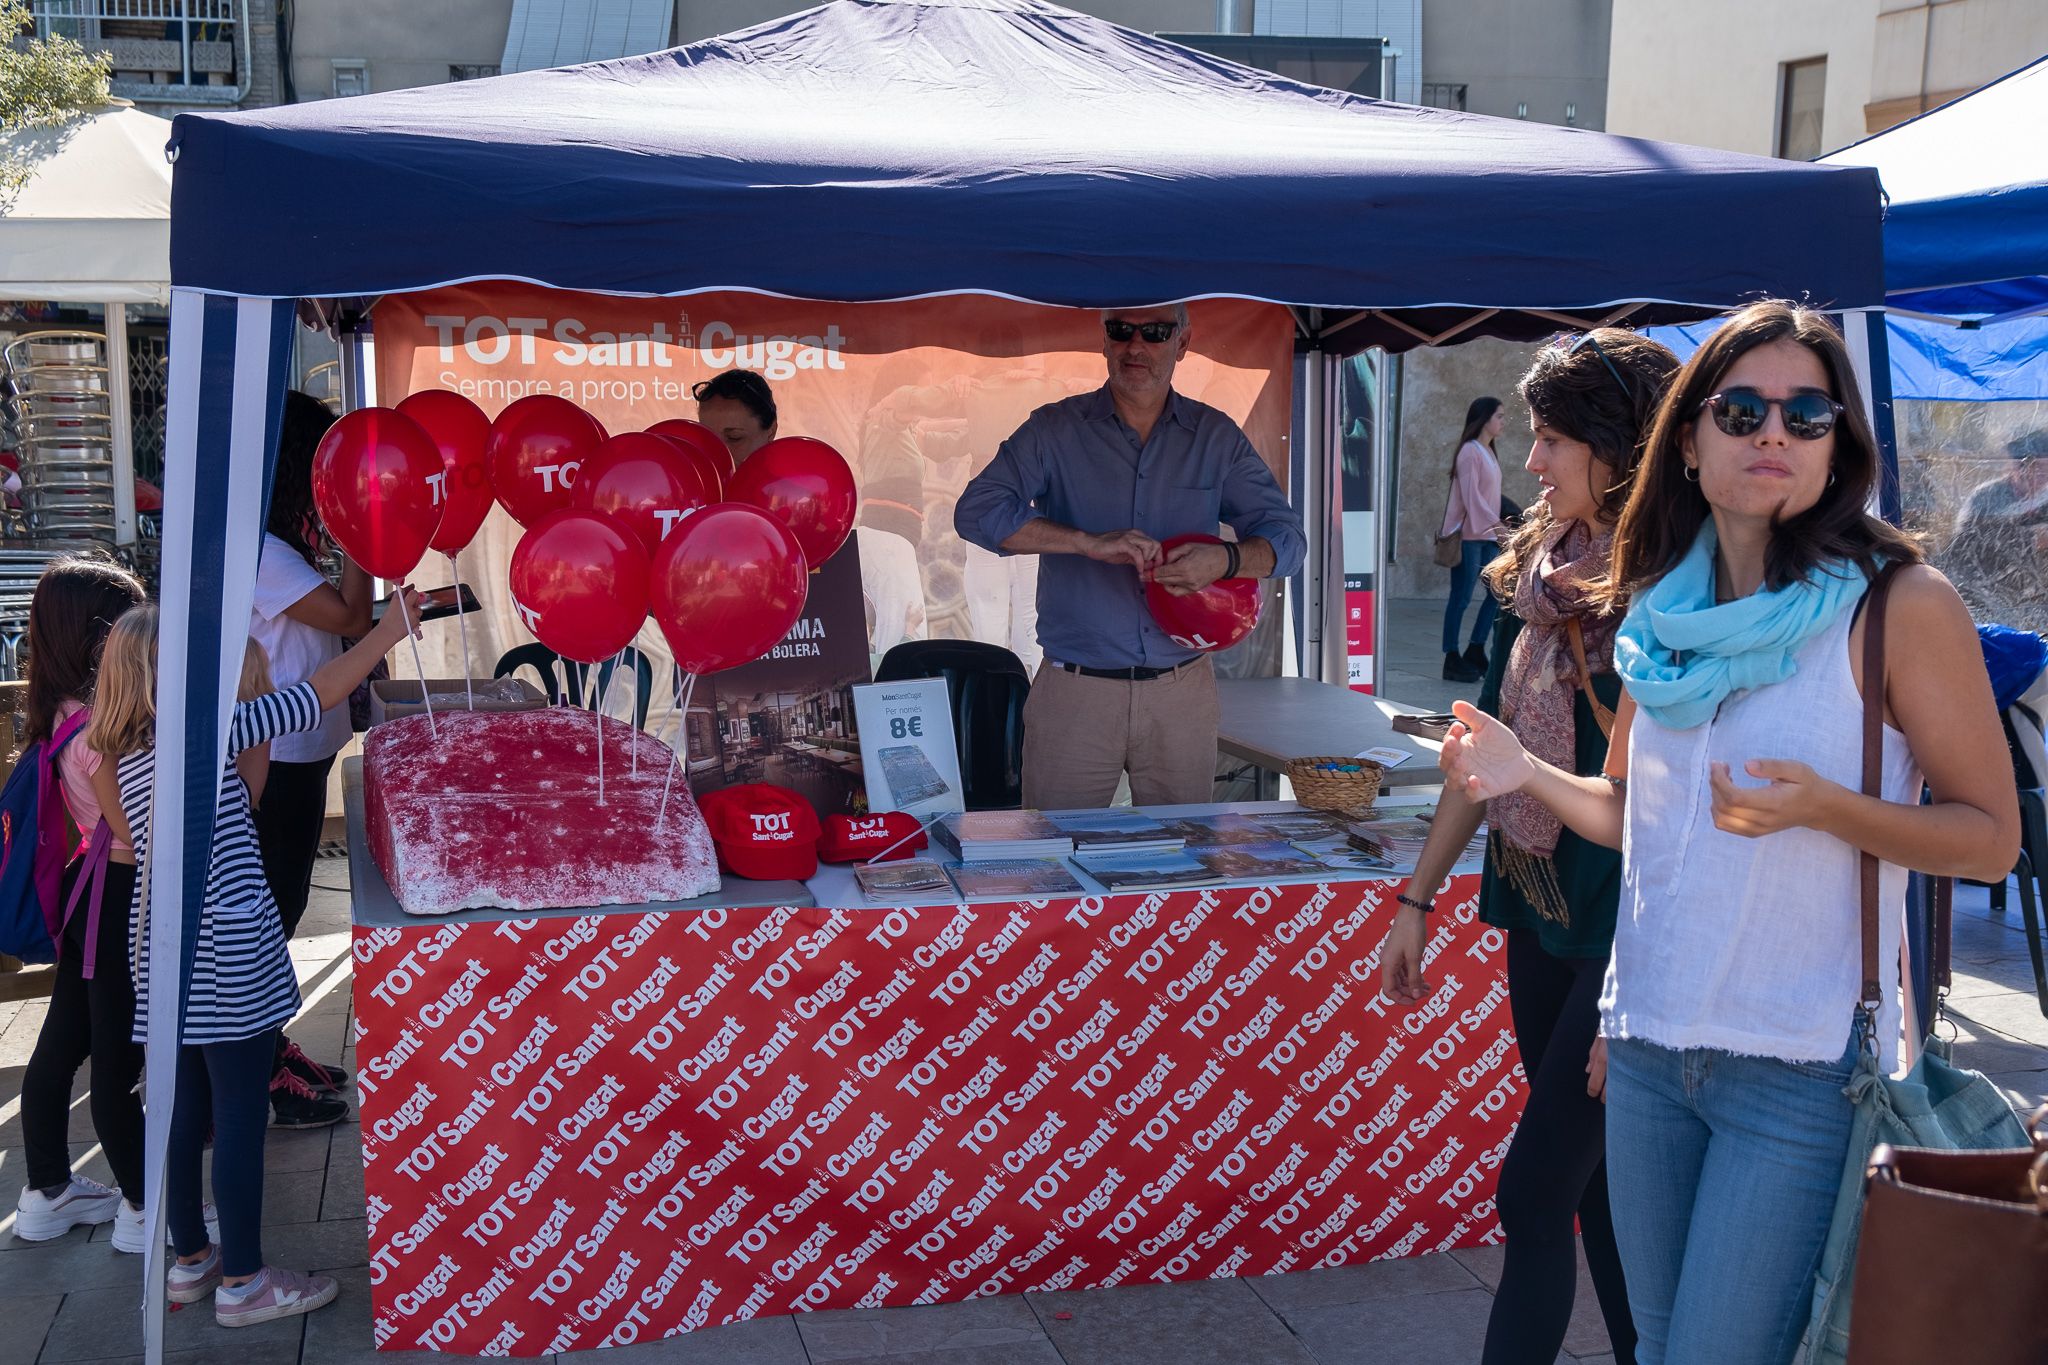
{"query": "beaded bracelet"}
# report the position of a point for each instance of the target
(1412, 903)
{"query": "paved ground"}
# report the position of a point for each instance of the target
(1415, 656)
(73, 1300)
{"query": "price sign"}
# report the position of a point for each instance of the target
(906, 747)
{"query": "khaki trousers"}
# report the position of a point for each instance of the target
(1081, 734)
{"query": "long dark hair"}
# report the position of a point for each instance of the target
(292, 517)
(1477, 414)
(1600, 388)
(1665, 509)
(78, 599)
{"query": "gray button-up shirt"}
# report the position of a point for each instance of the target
(1077, 463)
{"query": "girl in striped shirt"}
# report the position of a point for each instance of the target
(242, 988)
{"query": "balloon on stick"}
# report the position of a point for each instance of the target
(727, 586)
(700, 438)
(373, 487)
(1212, 618)
(460, 429)
(646, 481)
(536, 446)
(804, 484)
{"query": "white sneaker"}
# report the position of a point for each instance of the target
(130, 1237)
(39, 1218)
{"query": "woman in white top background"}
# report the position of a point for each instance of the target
(1733, 790)
(1473, 511)
(300, 619)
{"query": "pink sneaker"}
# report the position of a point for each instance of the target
(191, 1283)
(273, 1294)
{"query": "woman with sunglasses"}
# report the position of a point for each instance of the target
(1551, 677)
(1732, 787)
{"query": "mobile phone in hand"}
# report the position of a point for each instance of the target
(435, 603)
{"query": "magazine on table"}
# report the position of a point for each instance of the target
(1015, 879)
(1342, 854)
(1156, 870)
(980, 835)
(1209, 831)
(1257, 862)
(914, 881)
(1297, 825)
(1095, 830)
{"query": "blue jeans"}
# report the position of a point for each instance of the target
(1722, 1172)
(1464, 579)
(226, 1085)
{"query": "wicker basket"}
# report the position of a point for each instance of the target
(1319, 788)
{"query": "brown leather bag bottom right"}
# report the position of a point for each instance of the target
(1953, 1260)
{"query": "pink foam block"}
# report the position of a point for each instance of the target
(502, 810)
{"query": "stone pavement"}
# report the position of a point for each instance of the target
(73, 1300)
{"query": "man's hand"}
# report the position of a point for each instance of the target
(1191, 568)
(1797, 797)
(1134, 548)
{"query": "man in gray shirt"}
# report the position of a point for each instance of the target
(1093, 483)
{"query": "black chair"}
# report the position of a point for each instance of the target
(2031, 871)
(574, 679)
(987, 685)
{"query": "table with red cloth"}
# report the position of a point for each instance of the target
(585, 1129)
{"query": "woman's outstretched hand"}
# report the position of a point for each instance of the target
(1482, 758)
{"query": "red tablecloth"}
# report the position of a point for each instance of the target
(597, 1130)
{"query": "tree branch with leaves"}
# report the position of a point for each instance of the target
(43, 81)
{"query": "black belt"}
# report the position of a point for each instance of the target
(1131, 674)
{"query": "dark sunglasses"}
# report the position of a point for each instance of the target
(1741, 412)
(1116, 329)
(1572, 346)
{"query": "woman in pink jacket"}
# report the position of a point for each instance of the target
(1473, 510)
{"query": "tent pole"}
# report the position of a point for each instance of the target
(1384, 508)
(1322, 516)
(120, 406)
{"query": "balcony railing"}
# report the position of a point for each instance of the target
(189, 51)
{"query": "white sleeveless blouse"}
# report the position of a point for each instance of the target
(1752, 946)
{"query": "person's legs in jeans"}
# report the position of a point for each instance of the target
(239, 1073)
(61, 1048)
(1656, 1152)
(184, 1200)
(1481, 551)
(1464, 575)
(1781, 1134)
(116, 1060)
(1555, 1155)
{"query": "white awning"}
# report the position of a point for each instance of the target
(93, 223)
(548, 33)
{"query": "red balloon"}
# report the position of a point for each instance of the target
(460, 429)
(647, 481)
(698, 437)
(373, 486)
(727, 586)
(1215, 618)
(804, 484)
(579, 582)
(536, 446)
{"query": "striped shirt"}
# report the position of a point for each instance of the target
(242, 977)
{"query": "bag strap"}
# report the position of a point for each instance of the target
(1873, 786)
(90, 886)
(1601, 714)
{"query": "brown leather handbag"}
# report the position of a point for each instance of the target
(1953, 1261)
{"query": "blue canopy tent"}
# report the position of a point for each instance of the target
(892, 149)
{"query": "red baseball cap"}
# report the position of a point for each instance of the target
(857, 838)
(762, 831)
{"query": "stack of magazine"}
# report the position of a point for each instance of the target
(979, 836)
(1015, 878)
(1146, 869)
(1109, 831)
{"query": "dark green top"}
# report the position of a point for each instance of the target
(1588, 875)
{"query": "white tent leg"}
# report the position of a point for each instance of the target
(119, 405)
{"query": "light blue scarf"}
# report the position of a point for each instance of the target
(1679, 654)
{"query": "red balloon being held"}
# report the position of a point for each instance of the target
(579, 582)
(646, 481)
(536, 446)
(700, 438)
(373, 486)
(804, 484)
(1214, 618)
(727, 586)
(461, 430)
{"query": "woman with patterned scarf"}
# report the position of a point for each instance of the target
(1552, 678)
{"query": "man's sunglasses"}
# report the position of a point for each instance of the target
(1116, 329)
(1741, 412)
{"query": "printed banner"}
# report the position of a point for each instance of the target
(917, 395)
(590, 1131)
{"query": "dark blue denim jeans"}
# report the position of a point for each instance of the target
(1464, 578)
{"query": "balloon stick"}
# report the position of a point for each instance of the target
(676, 756)
(417, 667)
(603, 693)
(462, 619)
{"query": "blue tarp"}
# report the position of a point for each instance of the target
(2004, 362)
(879, 149)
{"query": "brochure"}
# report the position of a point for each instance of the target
(1257, 862)
(1141, 871)
(1305, 824)
(1131, 830)
(915, 881)
(1209, 831)
(1014, 879)
(1342, 855)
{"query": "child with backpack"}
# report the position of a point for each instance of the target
(242, 988)
(76, 913)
